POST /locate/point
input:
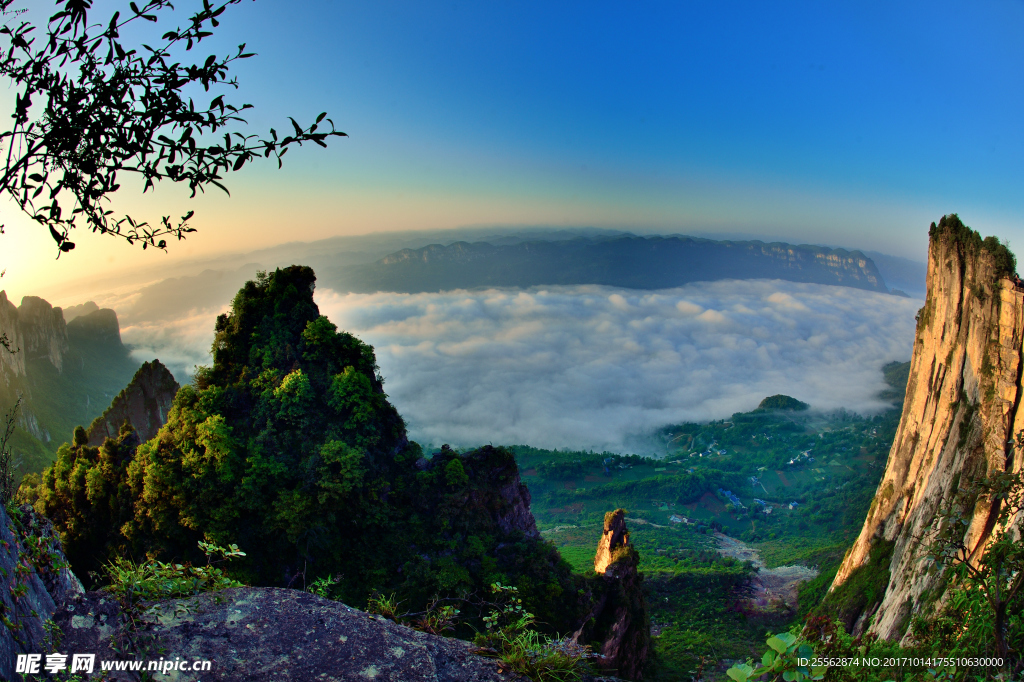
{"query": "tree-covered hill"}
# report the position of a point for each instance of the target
(288, 447)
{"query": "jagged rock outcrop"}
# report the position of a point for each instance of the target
(36, 583)
(144, 404)
(961, 409)
(620, 613)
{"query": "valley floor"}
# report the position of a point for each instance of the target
(770, 590)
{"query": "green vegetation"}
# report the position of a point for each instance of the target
(816, 473)
(951, 228)
(151, 580)
(511, 636)
(782, 661)
(897, 374)
(288, 446)
(983, 614)
(782, 402)
(862, 590)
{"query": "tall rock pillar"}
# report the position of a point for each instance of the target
(620, 620)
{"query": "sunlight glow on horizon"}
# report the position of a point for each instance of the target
(842, 125)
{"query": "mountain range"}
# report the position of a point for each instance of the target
(622, 261)
(65, 371)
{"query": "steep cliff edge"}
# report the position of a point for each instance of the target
(960, 411)
(64, 374)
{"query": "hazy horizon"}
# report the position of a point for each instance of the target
(845, 125)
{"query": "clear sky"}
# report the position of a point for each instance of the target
(843, 123)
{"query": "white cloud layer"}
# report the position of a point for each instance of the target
(597, 367)
(589, 366)
(180, 343)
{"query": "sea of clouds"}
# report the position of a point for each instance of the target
(597, 367)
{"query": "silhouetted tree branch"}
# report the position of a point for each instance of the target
(89, 109)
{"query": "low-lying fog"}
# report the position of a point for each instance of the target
(596, 367)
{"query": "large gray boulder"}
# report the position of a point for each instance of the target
(269, 634)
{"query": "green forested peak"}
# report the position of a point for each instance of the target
(782, 402)
(951, 228)
(274, 325)
(288, 447)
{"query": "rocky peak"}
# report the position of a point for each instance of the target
(71, 312)
(614, 540)
(144, 404)
(42, 329)
(960, 411)
(98, 326)
(620, 612)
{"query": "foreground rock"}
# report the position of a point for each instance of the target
(270, 634)
(35, 583)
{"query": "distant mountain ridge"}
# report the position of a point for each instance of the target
(623, 261)
(64, 373)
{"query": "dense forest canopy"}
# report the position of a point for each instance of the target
(288, 447)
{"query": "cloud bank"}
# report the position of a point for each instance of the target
(597, 367)
(590, 366)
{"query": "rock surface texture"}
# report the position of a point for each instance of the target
(36, 583)
(35, 330)
(43, 330)
(961, 408)
(272, 634)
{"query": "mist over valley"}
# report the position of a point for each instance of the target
(566, 366)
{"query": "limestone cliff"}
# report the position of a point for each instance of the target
(144, 404)
(961, 409)
(35, 330)
(64, 374)
(44, 331)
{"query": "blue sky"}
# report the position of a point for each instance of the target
(845, 123)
